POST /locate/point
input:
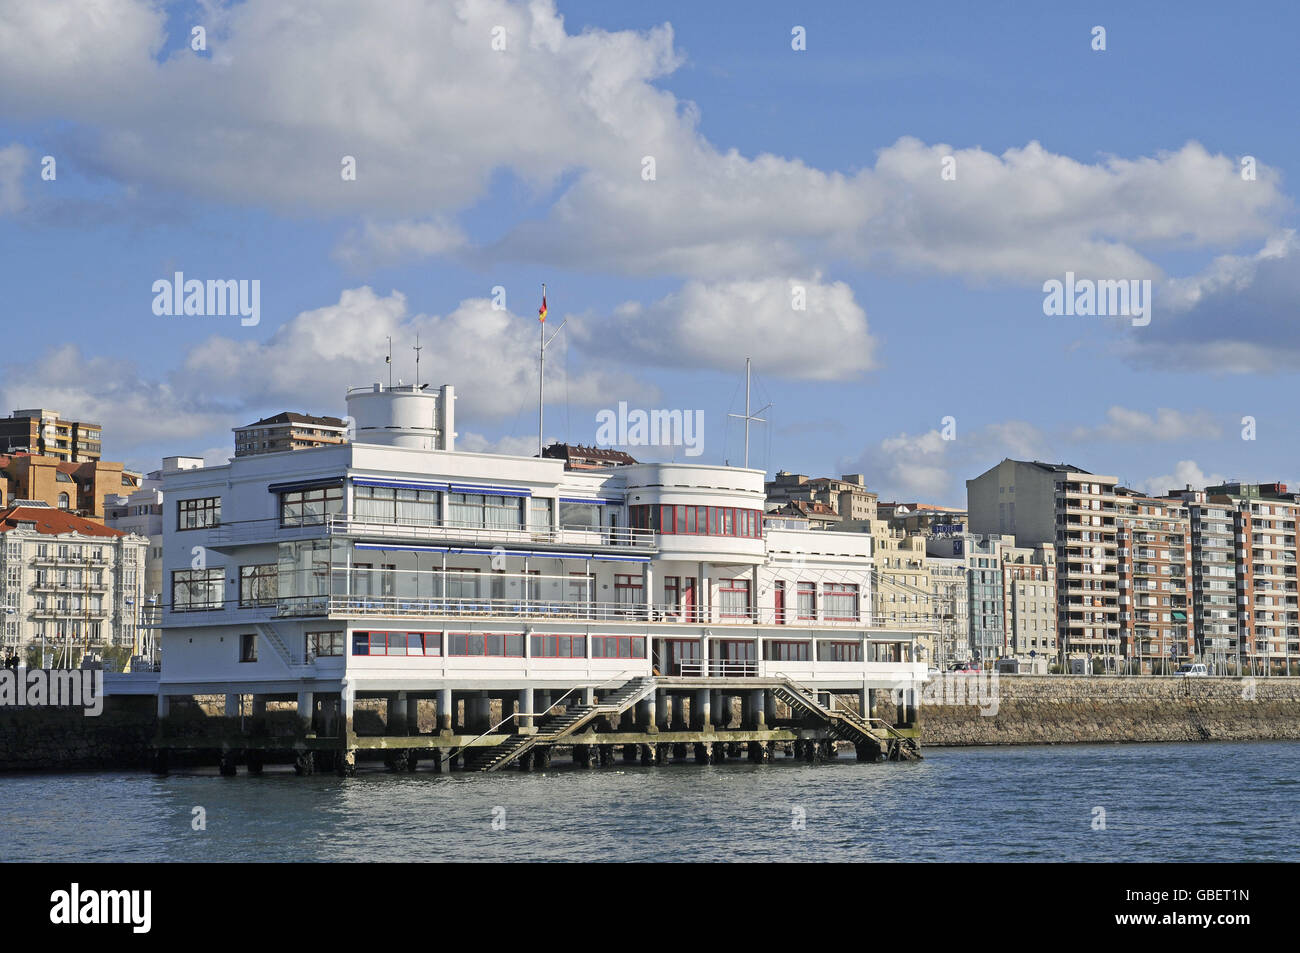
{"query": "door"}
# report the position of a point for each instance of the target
(688, 599)
(778, 598)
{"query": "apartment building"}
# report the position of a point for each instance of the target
(43, 432)
(985, 613)
(1154, 566)
(1075, 511)
(1264, 531)
(950, 596)
(1213, 576)
(578, 457)
(79, 488)
(1029, 601)
(289, 431)
(848, 497)
(67, 582)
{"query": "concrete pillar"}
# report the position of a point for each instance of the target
(412, 715)
(526, 706)
(306, 705)
(747, 710)
(444, 710)
(769, 709)
(164, 705)
(648, 588)
(678, 722)
(715, 705)
(646, 713)
(482, 712)
(758, 709)
(396, 722)
(347, 705)
(232, 705)
(701, 709)
(589, 696)
(864, 706)
(259, 706)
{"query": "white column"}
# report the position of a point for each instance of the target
(647, 587)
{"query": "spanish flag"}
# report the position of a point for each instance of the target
(541, 312)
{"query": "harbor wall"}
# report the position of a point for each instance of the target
(44, 738)
(1027, 709)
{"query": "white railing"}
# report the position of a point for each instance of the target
(698, 668)
(617, 536)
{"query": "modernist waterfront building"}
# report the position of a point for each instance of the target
(397, 567)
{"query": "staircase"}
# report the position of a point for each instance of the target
(287, 655)
(553, 728)
(845, 726)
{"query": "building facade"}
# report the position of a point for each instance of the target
(79, 488)
(44, 433)
(1155, 559)
(67, 582)
(289, 431)
(388, 566)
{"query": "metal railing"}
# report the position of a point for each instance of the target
(699, 668)
(617, 536)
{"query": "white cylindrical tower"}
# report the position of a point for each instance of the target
(403, 416)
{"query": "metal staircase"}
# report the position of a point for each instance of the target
(845, 726)
(553, 728)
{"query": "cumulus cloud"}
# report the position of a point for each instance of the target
(1186, 473)
(705, 323)
(1126, 424)
(13, 163)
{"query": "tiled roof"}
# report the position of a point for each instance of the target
(52, 522)
(289, 417)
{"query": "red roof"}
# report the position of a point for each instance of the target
(52, 521)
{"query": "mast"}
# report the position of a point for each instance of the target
(543, 341)
(748, 416)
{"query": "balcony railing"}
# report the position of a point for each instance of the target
(698, 668)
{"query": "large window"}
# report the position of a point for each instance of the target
(840, 601)
(396, 643)
(486, 644)
(325, 644)
(617, 646)
(197, 514)
(257, 585)
(310, 507)
(786, 651)
(386, 504)
(839, 651)
(581, 515)
(733, 598)
(698, 520)
(197, 590)
(486, 511)
(559, 646)
(807, 600)
(627, 590)
(462, 584)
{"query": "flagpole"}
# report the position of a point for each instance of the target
(541, 373)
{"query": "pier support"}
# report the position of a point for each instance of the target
(412, 715)
(701, 753)
(758, 709)
(395, 721)
(347, 763)
(526, 708)
(678, 722)
(435, 760)
(679, 752)
(444, 711)
(647, 755)
(542, 757)
(662, 753)
(719, 752)
(400, 761)
(253, 758)
(306, 706)
(226, 763)
(606, 755)
(701, 709)
(629, 754)
(582, 756)
(164, 706)
(304, 763)
(232, 705)
(259, 706)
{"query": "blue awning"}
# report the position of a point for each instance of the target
(479, 551)
(490, 490)
(398, 484)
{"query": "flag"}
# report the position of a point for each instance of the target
(541, 312)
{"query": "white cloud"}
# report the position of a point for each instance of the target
(511, 446)
(1186, 473)
(378, 244)
(716, 324)
(1126, 424)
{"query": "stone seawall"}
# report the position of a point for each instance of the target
(42, 739)
(1080, 709)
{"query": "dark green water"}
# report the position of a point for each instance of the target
(1178, 802)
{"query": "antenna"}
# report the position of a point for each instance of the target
(417, 360)
(389, 361)
(748, 416)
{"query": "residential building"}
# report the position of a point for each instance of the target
(79, 488)
(1213, 577)
(1075, 511)
(950, 596)
(985, 614)
(1154, 566)
(390, 568)
(1029, 601)
(848, 497)
(43, 432)
(289, 431)
(816, 514)
(67, 582)
(578, 457)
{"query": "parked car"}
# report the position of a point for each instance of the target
(1190, 670)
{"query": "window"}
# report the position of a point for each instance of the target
(257, 585)
(385, 504)
(581, 515)
(559, 646)
(197, 514)
(248, 647)
(787, 651)
(64, 501)
(325, 644)
(462, 584)
(733, 598)
(490, 512)
(392, 643)
(627, 590)
(700, 520)
(617, 646)
(541, 514)
(310, 507)
(807, 604)
(839, 651)
(197, 590)
(490, 644)
(840, 601)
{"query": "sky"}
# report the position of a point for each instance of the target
(873, 218)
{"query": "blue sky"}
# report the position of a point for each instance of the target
(775, 168)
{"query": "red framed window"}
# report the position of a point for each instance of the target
(839, 651)
(840, 602)
(788, 651)
(396, 643)
(486, 644)
(559, 646)
(807, 601)
(627, 590)
(733, 598)
(617, 646)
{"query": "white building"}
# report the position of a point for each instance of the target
(66, 581)
(391, 566)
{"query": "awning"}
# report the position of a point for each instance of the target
(490, 490)
(398, 484)
(1180, 616)
(306, 485)
(593, 502)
